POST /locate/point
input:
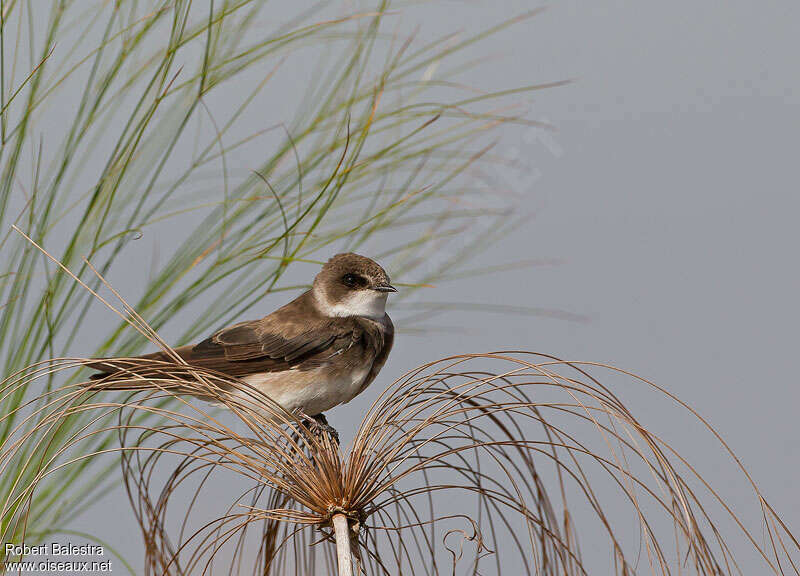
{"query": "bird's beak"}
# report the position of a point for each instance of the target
(385, 288)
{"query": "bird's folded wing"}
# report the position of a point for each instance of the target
(260, 347)
(292, 337)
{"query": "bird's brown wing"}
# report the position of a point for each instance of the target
(291, 337)
(252, 347)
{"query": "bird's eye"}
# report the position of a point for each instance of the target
(350, 279)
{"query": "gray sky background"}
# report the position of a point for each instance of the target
(669, 196)
(671, 199)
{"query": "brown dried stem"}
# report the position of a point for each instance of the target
(534, 452)
(476, 463)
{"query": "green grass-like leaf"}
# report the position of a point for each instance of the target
(372, 152)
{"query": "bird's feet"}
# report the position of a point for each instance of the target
(319, 424)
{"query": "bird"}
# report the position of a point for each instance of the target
(320, 350)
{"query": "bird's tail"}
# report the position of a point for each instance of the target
(156, 371)
(162, 372)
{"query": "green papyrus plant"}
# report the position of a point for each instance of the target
(130, 120)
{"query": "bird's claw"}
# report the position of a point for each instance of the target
(319, 424)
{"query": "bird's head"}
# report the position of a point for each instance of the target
(352, 285)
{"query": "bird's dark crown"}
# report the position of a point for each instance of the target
(347, 272)
(352, 285)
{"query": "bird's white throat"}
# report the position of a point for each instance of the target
(364, 303)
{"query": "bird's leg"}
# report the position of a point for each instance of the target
(318, 424)
(323, 425)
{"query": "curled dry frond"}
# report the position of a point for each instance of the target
(491, 463)
(239, 141)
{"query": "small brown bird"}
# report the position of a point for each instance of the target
(320, 350)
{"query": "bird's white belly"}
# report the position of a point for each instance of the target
(309, 391)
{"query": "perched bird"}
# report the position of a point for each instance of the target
(320, 350)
